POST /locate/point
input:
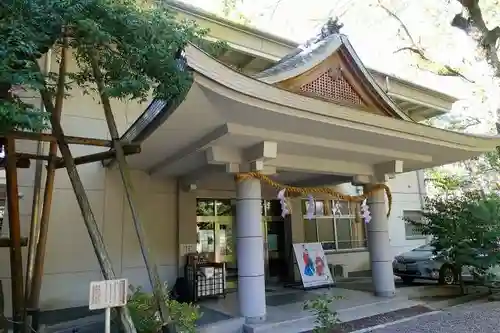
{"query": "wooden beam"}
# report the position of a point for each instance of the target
(22, 163)
(45, 137)
(23, 158)
(129, 150)
(30, 156)
(5, 242)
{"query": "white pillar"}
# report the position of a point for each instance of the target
(380, 247)
(250, 251)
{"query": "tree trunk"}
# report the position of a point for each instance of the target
(458, 273)
(486, 39)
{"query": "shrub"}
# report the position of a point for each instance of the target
(144, 313)
(326, 319)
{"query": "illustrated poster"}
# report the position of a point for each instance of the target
(313, 265)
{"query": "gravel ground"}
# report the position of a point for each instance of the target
(470, 318)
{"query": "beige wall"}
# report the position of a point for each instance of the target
(70, 261)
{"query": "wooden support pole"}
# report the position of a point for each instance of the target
(149, 261)
(5, 242)
(16, 261)
(84, 204)
(37, 267)
(35, 216)
(128, 150)
(3, 321)
(21, 163)
(30, 156)
(74, 140)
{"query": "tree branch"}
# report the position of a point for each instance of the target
(425, 62)
(478, 30)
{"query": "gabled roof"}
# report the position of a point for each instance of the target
(330, 69)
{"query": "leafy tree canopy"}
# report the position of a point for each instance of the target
(138, 46)
(466, 226)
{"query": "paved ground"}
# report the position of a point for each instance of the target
(480, 317)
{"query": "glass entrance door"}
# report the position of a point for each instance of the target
(215, 221)
(274, 232)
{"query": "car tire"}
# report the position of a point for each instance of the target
(447, 275)
(407, 279)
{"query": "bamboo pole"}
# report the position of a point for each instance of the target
(16, 261)
(84, 204)
(149, 261)
(35, 209)
(39, 259)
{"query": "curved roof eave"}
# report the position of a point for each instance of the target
(220, 74)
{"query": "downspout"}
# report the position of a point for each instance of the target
(421, 195)
(37, 199)
(421, 188)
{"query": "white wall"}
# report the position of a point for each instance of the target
(406, 196)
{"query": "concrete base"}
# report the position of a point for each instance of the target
(386, 294)
(255, 320)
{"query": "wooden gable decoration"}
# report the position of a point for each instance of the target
(337, 80)
(333, 86)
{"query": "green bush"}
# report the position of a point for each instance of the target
(144, 313)
(326, 319)
(466, 227)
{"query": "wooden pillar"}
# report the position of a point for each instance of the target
(3, 320)
(16, 263)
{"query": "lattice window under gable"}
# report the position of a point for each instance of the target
(333, 86)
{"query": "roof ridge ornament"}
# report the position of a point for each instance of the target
(335, 73)
(331, 27)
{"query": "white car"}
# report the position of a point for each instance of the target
(423, 263)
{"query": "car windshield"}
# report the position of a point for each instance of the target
(427, 248)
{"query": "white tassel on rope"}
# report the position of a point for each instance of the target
(284, 206)
(336, 208)
(365, 212)
(310, 207)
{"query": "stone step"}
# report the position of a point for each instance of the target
(95, 324)
(234, 325)
(89, 324)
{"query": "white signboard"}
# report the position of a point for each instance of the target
(108, 294)
(312, 264)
